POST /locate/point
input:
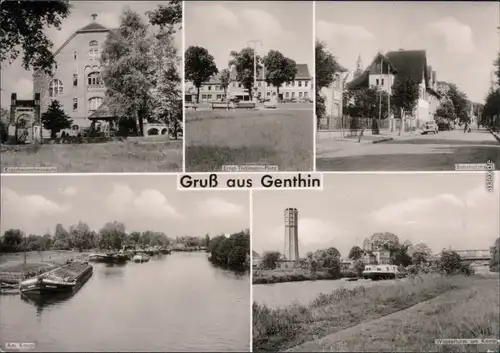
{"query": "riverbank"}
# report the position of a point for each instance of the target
(13, 269)
(282, 276)
(457, 307)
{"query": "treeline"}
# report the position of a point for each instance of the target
(412, 258)
(231, 252)
(112, 236)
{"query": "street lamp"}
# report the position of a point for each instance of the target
(254, 42)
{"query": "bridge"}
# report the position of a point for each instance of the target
(475, 257)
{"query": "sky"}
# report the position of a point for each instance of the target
(441, 210)
(461, 38)
(36, 204)
(223, 26)
(14, 79)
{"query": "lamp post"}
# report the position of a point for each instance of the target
(254, 42)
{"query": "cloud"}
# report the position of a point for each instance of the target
(457, 35)
(219, 15)
(219, 207)
(69, 191)
(30, 205)
(149, 203)
(329, 31)
(262, 23)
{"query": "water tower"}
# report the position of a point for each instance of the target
(292, 234)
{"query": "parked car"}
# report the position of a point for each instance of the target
(430, 126)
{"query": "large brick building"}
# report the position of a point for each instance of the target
(76, 80)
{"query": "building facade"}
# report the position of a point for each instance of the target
(212, 90)
(76, 81)
(382, 72)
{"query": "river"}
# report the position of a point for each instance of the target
(179, 302)
(279, 295)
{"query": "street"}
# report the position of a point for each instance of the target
(415, 152)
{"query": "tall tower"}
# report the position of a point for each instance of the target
(292, 234)
(359, 67)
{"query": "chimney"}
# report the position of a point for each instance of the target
(94, 15)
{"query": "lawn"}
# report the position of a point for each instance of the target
(407, 316)
(291, 275)
(282, 138)
(111, 157)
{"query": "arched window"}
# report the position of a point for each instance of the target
(94, 103)
(94, 79)
(93, 43)
(56, 88)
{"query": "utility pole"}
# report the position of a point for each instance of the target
(254, 43)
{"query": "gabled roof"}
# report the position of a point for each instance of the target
(302, 73)
(255, 255)
(410, 63)
(93, 27)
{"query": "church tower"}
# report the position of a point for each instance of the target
(359, 67)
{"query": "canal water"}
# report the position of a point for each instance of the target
(279, 295)
(178, 302)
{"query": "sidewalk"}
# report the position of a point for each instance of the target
(368, 137)
(495, 134)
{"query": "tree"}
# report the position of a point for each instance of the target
(23, 27)
(405, 92)
(460, 103)
(237, 257)
(491, 113)
(12, 240)
(129, 68)
(451, 263)
(359, 267)
(61, 238)
(384, 241)
(355, 253)
(243, 61)
(225, 79)
(326, 67)
(269, 259)
(420, 254)
(166, 92)
(446, 110)
(495, 256)
(167, 16)
(112, 235)
(279, 69)
(55, 119)
(207, 240)
(368, 103)
(199, 66)
(81, 236)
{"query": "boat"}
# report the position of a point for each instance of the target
(109, 258)
(67, 278)
(350, 279)
(378, 272)
(139, 258)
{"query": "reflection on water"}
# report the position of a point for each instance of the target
(179, 303)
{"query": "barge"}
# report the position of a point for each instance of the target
(64, 279)
(109, 258)
(139, 258)
(378, 272)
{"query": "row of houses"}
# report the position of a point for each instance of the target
(381, 73)
(213, 90)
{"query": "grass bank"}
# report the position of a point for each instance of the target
(281, 276)
(272, 137)
(13, 269)
(468, 307)
(137, 155)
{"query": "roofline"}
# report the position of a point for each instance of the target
(69, 39)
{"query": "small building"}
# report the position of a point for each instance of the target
(383, 257)
(346, 264)
(256, 259)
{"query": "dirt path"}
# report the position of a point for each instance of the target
(398, 331)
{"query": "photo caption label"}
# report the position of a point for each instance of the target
(257, 181)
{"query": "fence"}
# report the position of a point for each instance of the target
(352, 125)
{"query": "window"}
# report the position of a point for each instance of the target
(93, 43)
(305, 83)
(75, 80)
(209, 88)
(268, 94)
(287, 94)
(305, 94)
(74, 55)
(293, 83)
(234, 84)
(94, 103)
(94, 79)
(293, 94)
(300, 94)
(75, 104)
(56, 88)
(377, 81)
(382, 81)
(239, 85)
(93, 54)
(300, 83)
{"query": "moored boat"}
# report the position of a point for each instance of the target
(66, 278)
(378, 272)
(109, 258)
